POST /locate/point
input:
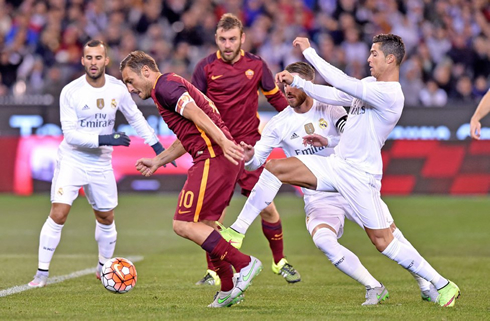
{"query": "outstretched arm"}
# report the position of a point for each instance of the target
(325, 94)
(481, 111)
(331, 74)
(148, 166)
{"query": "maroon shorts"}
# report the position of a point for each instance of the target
(247, 179)
(208, 189)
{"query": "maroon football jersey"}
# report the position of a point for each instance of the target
(171, 92)
(234, 90)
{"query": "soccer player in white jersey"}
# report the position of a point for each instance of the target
(320, 125)
(88, 108)
(355, 170)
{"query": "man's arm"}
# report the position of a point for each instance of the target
(148, 166)
(325, 94)
(274, 96)
(481, 111)
(232, 151)
(331, 74)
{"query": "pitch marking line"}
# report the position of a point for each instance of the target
(58, 279)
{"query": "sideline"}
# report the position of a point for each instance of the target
(58, 279)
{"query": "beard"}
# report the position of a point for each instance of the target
(297, 101)
(234, 55)
(95, 76)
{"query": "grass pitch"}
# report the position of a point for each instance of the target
(451, 233)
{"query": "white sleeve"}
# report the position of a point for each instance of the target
(263, 148)
(376, 96)
(136, 119)
(334, 76)
(69, 120)
(322, 93)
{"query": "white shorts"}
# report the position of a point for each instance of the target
(360, 189)
(98, 184)
(328, 208)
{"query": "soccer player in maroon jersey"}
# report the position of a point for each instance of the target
(231, 78)
(211, 179)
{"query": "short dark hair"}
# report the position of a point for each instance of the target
(391, 45)
(229, 21)
(136, 60)
(94, 43)
(303, 69)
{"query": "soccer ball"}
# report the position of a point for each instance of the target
(118, 275)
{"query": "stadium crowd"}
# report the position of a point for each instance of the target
(447, 41)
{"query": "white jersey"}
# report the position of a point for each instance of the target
(87, 112)
(375, 108)
(286, 130)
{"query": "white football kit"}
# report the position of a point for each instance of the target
(286, 130)
(355, 170)
(85, 113)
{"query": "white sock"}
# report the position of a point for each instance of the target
(106, 236)
(261, 196)
(48, 241)
(343, 259)
(423, 284)
(408, 257)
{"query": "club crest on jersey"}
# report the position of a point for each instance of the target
(60, 191)
(113, 103)
(249, 73)
(323, 123)
(309, 129)
(100, 103)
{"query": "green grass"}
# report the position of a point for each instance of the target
(451, 233)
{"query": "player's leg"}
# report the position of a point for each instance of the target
(210, 277)
(427, 290)
(362, 191)
(222, 253)
(105, 236)
(271, 227)
(325, 223)
(267, 187)
(66, 183)
(203, 198)
(101, 193)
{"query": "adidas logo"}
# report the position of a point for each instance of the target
(293, 136)
(85, 107)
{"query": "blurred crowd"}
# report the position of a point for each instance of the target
(447, 41)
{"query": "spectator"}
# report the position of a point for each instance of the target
(432, 95)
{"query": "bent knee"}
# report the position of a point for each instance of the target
(180, 228)
(273, 166)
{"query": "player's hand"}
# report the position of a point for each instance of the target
(248, 151)
(146, 166)
(302, 43)
(475, 129)
(315, 140)
(284, 77)
(232, 151)
(114, 139)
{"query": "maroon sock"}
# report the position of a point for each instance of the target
(225, 272)
(210, 262)
(215, 245)
(273, 233)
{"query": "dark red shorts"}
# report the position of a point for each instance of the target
(208, 189)
(247, 179)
